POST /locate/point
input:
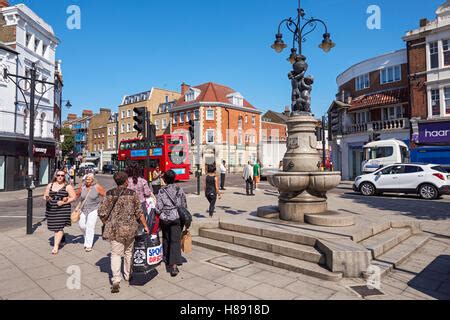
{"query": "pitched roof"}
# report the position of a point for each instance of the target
(212, 92)
(380, 99)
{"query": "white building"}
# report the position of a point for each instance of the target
(35, 42)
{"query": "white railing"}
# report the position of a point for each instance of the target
(385, 125)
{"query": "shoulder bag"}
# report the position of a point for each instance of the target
(183, 213)
(76, 213)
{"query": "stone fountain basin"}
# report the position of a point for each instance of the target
(301, 181)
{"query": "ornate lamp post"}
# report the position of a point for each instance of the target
(30, 87)
(302, 186)
(300, 27)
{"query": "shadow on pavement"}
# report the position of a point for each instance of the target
(434, 280)
(407, 205)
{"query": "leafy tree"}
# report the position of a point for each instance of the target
(69, 142)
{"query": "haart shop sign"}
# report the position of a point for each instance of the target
(434, 133)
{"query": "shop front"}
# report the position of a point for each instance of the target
(14, 163)
(431, 142)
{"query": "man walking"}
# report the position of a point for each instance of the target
(256, 173)
(248, 177)
(223, 171)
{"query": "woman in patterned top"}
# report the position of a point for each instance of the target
(121, 212)
(169, 197)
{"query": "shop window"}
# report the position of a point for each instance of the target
(2, 172)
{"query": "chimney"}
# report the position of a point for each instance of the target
(287, 110)
(4, 3)
(423, 22)
(184, 87)
(71, 116)
(86, 113)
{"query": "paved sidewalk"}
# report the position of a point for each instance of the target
(29, 271)
(20, 194)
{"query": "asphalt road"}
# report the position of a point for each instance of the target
(13, 213)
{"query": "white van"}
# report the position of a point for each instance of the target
(378, 154)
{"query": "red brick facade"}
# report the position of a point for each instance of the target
(417, 68)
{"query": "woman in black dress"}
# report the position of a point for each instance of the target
(59, 196)
(212, 187)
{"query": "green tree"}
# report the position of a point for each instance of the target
(69, 142)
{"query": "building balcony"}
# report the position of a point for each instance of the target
(379, 126)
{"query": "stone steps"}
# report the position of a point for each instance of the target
(269, 258)
(330, 219)
(397, 255)
(386, 240)
(289, 249)
(269, 232)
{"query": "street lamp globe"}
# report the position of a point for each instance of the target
(279, 44)
(327, 44)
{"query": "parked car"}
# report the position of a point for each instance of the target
(87, 167)
(109, 168)
(429, 181)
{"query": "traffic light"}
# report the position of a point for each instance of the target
(140, 119)
(191, 129)
(151, 133)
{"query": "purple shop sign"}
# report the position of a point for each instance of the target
(434, 132)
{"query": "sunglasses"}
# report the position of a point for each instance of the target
(60, 175)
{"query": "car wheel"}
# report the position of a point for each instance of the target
(367, 189)
(428, 192)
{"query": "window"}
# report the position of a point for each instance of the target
(109, 131)
(95, 136)
(44, 50)
(446, 49)
(447, 100)
(28, 40)
(240, 123)
(181, 117)
(196, 114)
(190, 96)
(188, 116)
(123, 114)
(391, 74)
(163, 124)
(122, 129)
(393, 113)
(246, 119)
(134, 129)
(434, 55)
(362, 82)
(128, 113)
(240, 137)
(393, 170)
(380, 152)
(128, 127)
(167, 99)
(156, 124)
(114, 131)
(175, 118)
(435, 102)
(413, 169)
(109, 144)
(36, 45)
(210, 114)
(95, 147)
(210, 136)
(361, 117)
(253, 121)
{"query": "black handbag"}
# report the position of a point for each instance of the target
(183, 213)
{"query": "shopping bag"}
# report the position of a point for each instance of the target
(147, 254)
(186, 242)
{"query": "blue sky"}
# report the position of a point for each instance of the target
(125, 47)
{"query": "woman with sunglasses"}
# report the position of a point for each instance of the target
(59, 195)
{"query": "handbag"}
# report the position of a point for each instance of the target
(183, 213)
(76, 213)
(186, 242)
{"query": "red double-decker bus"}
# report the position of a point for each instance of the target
(170, 152)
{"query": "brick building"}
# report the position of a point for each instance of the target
(150, 100)
(373, 98)
(429, 68)
(229, 125)
(273, 138)
(80, 128)
(163, 118)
